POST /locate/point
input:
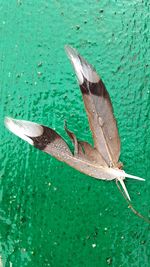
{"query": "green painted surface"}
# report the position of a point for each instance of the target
(51, 214)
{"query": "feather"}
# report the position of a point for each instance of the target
(98, 107)
(49, 141)
(40, 136)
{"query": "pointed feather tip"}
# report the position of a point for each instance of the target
(82, 68)
(71, 52)
(23, 129)
(75, 60)
(134, 177)
(124, 188)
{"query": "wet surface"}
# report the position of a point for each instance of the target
(52, 215)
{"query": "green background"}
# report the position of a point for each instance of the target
(52, 215)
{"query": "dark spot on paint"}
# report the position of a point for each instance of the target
(23, 219)
(97, 89)
(77, 27)
(48, 136)
(40, 64)
(89, 188)
(109, 261)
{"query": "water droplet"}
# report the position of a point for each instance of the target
(100, 121)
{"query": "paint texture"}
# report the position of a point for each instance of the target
(52, 215)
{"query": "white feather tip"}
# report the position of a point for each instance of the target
(134, 177)
(23, 129)
(82, 68)
(124, 188)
